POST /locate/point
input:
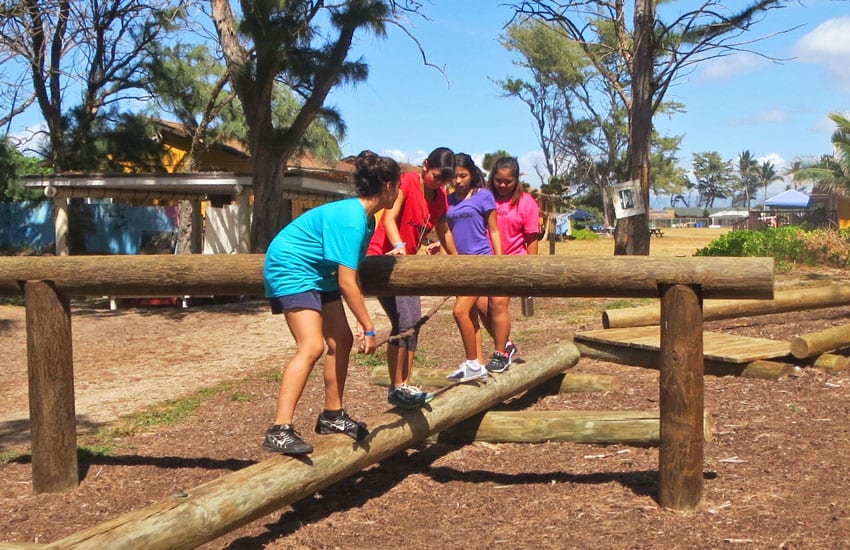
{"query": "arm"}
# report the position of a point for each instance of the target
(390, 219)
(495, 235)
(349, 287)
(444, 233)
(531, 244)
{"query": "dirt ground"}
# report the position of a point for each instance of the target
(776, 472)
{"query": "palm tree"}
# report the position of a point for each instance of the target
(766, 175)
(748, 173)
(832, 173)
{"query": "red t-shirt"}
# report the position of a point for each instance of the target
(416, 218)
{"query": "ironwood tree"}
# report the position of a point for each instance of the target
(654, 51)
(305, 45)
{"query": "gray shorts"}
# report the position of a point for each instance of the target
(405, 313)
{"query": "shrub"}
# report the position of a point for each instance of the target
(584, 235)
(787, 245)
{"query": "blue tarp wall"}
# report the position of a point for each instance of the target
(115, 228)
(26, 225)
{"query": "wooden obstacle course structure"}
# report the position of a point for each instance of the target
(784, 301)
(681, 283)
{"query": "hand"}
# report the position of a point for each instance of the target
(432, 249)
(400, 251)
(368, 345)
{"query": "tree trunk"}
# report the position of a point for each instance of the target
(632, 233)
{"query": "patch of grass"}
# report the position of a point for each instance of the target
(14, 456)
(375, 360)
(162, 414)
(796, 408)
(12, 301)
(241, 397)
(87, 452)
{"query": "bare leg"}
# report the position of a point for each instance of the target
(500, 320)
(466, 318)
(338, 336)
(306, 327)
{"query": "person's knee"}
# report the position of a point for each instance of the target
(311, 350)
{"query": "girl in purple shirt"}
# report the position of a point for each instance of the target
(474, 230)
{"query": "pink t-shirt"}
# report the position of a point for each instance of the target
(517, 222)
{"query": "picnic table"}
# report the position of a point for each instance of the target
(655, 231)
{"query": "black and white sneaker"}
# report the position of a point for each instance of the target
(510, 351)
(342, 424)
(284, 439)
(498, 363)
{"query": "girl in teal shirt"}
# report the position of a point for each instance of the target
(309, 266)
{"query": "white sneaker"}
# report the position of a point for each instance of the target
(470, 369)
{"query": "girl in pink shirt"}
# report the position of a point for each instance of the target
(518, 219)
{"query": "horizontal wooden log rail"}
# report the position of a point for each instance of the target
(242, 274)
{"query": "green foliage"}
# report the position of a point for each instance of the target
(14, 166)
(241, 397)
(584, 235)
(832, 172)
(787, 245)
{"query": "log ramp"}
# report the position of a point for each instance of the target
(204, 513)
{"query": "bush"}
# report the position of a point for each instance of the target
(787, 245)
(584, 235)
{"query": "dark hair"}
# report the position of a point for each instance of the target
(372, 172)
(511, 164)
(443, 159)
(463, 160)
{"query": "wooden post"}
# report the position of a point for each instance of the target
(527, 306)
(681, 399)
(50, 368)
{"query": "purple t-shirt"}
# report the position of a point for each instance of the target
(468, 222)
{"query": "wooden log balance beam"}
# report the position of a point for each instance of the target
(784, 301)
(206, 512)
(242, 274)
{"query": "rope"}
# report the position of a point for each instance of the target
(422, 320)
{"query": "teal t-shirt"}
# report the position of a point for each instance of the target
(307, 253)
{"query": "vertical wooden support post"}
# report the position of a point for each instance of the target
(50, 367)
(60, 224)
(197, 238)
(527, 306)
(681, 398)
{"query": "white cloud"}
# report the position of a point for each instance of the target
(763, 117)
(728, 66)
(829, 46)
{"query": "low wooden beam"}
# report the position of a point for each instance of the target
(815, 343)
(242, 274)
(784, 301)
(638, 428)
(206, 512)
(831, 362)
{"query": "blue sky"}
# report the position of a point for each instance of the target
(776, 110)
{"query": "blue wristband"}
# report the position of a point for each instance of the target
(368, 333)
(400, 245)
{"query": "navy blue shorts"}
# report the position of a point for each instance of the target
(311, 299)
